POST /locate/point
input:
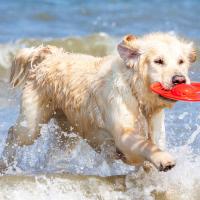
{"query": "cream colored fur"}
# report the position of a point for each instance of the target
(101, 98)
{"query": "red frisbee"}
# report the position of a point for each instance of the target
(183, 92)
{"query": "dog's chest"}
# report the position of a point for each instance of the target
(141, 125)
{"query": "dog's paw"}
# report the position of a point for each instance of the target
(163, 161)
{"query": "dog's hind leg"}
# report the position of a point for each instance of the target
(36, 109)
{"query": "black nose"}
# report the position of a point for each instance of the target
(178, 79)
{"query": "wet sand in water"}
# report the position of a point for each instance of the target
(76, 187)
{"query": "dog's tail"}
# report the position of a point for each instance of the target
(26, 59)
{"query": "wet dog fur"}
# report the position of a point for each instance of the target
(102, 97)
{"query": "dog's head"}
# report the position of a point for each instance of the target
(158, 57)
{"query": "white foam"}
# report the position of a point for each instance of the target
(180, 183)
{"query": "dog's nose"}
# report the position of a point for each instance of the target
(178, 79)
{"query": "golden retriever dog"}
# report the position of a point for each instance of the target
(103, 97)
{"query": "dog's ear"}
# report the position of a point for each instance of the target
(128, 51)
(192, 56)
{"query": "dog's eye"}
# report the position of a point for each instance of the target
(180, 62)
(159, 61)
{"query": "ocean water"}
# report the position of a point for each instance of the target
(50, 170)
(61, 18)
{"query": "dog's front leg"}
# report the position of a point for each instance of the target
(156, 129)
(133, 145)
(121, 120)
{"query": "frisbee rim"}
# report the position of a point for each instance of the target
(158, 89)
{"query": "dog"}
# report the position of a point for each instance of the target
(103, 97)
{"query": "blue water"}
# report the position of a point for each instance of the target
(62, 18)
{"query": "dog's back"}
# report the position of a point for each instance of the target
(60, 80)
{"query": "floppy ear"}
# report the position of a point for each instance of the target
(193, 56)
(127, 51)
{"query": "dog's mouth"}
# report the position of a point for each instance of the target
(167, 100)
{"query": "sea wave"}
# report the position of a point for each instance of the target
(99, 44)
(181, 183)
